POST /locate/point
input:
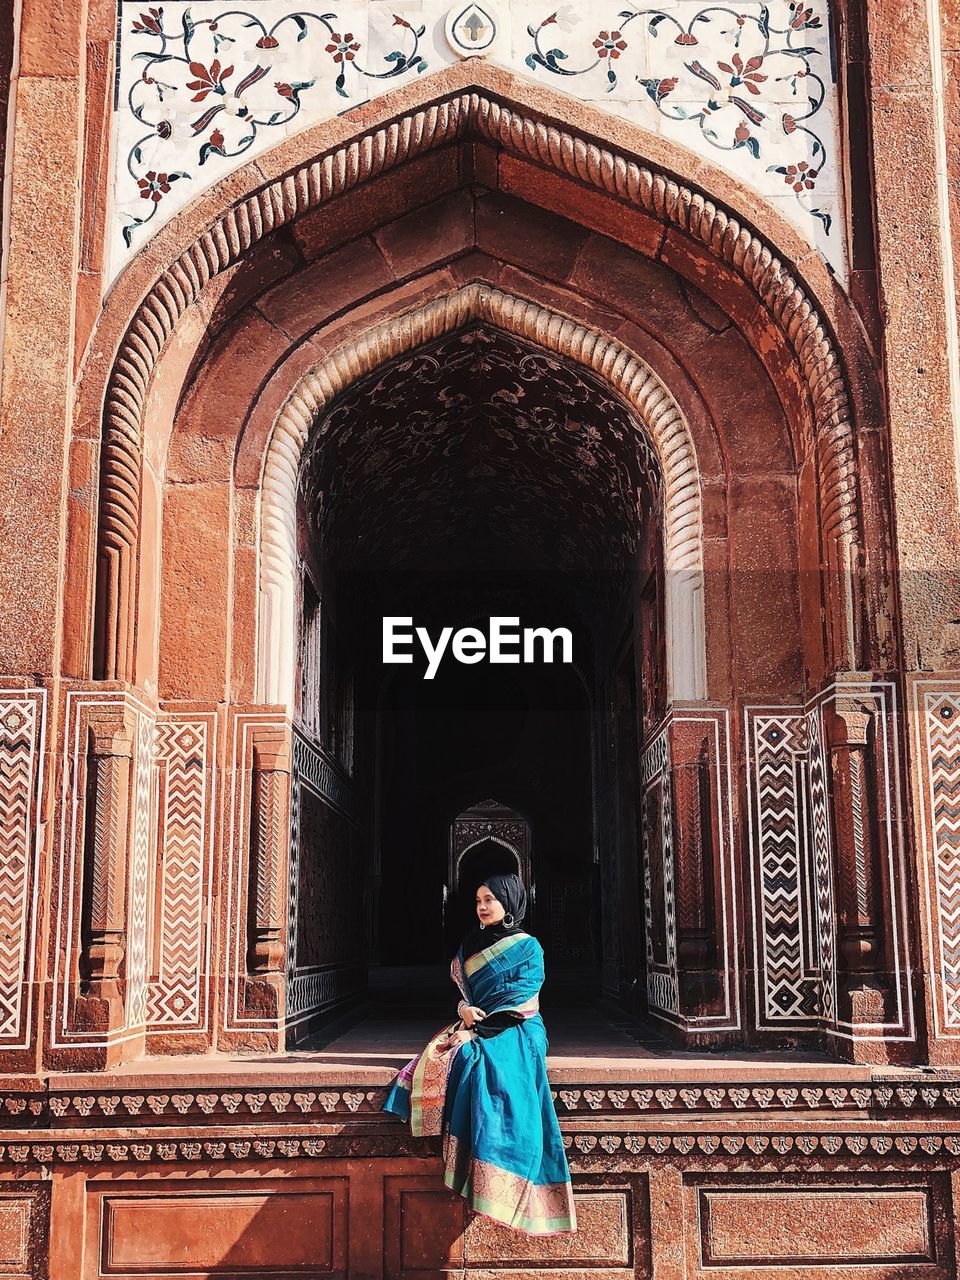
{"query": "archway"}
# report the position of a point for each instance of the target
(488, 837)
(644, 281)
(477, 476)
(663, 431)
(711, 245)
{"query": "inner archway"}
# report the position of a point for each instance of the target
(475, 478)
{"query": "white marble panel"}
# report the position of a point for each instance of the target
(203, 87)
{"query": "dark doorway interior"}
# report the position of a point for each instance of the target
(522, 735)
(481, 478)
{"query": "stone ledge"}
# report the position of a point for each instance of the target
(117, 1103)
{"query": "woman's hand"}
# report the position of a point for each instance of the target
(454, 1041)
(470, 1015)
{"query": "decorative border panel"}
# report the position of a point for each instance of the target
(728, 906)
(140, 901)
(788, 952)
(936, 716)
(663, 991)
(203, 87)
(790, 849)
(186, 749)
(22, 745)
(822, 851)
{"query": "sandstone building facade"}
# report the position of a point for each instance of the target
(641, 320)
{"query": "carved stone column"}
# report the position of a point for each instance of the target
(859, 940)
(861, 882)
(269, 825)
(267, 892)
(103, 930)
(695, 843)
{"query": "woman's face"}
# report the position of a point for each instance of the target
(489, 910)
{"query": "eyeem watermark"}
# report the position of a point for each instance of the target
(503, 642)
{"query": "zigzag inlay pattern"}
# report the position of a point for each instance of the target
(21, 720)
(789, 990)
(942, 722)
(139, 934)
(182, 750)
(822, 863)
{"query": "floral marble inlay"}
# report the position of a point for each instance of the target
(202, 87)
(746, 80)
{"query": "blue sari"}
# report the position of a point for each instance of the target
(502, 1148)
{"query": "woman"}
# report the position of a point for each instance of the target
(482, 1081)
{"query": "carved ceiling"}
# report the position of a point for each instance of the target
(477, 452)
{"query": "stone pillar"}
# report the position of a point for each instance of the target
(254, 878)
(111, 739)
(850, 738)
(695, 851)
(872, 943)
(269, 823)
(693, 977)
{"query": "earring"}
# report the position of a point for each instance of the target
(508, 919)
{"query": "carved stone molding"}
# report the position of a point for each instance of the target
(738, 247)
(816, 1101)
(807, 1148)
(626, 373)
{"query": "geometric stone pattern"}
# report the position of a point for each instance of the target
(788, 965)
(185, 750)
(822, 864)
(937, 725)
(203, 89)
(792, 870)
(140, 898)
(22, 730)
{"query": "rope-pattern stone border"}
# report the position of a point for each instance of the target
(625, 373)
(287, 198)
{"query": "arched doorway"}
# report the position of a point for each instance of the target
(476, 478)
(649, 269)
(486, 838)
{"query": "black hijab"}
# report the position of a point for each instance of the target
(509, 892)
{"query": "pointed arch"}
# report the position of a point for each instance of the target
(626, 374)
(473, 108)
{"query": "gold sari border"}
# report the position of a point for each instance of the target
(483, 957)
(498, 1193)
